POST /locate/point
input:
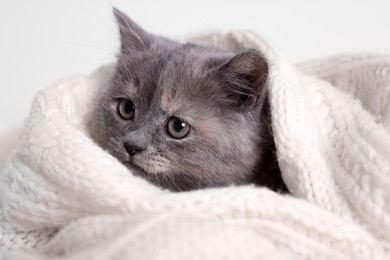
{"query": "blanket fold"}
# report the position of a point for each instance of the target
(63, 196)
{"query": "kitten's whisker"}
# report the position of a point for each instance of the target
(190, 181)
(173, 182)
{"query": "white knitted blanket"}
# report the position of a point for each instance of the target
(64, 197)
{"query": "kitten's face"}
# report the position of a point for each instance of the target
(181, 115)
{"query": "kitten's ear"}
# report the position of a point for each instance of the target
(244, 78)
(133, 37)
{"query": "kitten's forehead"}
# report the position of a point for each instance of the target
(185, 78)
(175, 78)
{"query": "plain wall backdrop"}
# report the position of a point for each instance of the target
(43, 40)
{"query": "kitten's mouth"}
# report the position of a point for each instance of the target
(137, 170)
(145, 166)
(148, 164)
(167, 180)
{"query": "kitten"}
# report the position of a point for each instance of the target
(185, 116)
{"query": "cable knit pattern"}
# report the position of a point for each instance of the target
(64, 197)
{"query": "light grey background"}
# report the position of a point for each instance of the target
(43, 40)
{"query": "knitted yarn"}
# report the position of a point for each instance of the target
(62, 196)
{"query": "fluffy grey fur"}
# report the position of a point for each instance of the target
(221, 96)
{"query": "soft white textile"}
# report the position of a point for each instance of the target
(64, 197)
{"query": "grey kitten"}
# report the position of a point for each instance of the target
(185, 116)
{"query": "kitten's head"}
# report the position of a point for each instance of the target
(183, 116)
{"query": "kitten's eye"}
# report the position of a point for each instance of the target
(126, 109)
(177, 128)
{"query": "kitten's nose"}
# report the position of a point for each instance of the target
(133, 149)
